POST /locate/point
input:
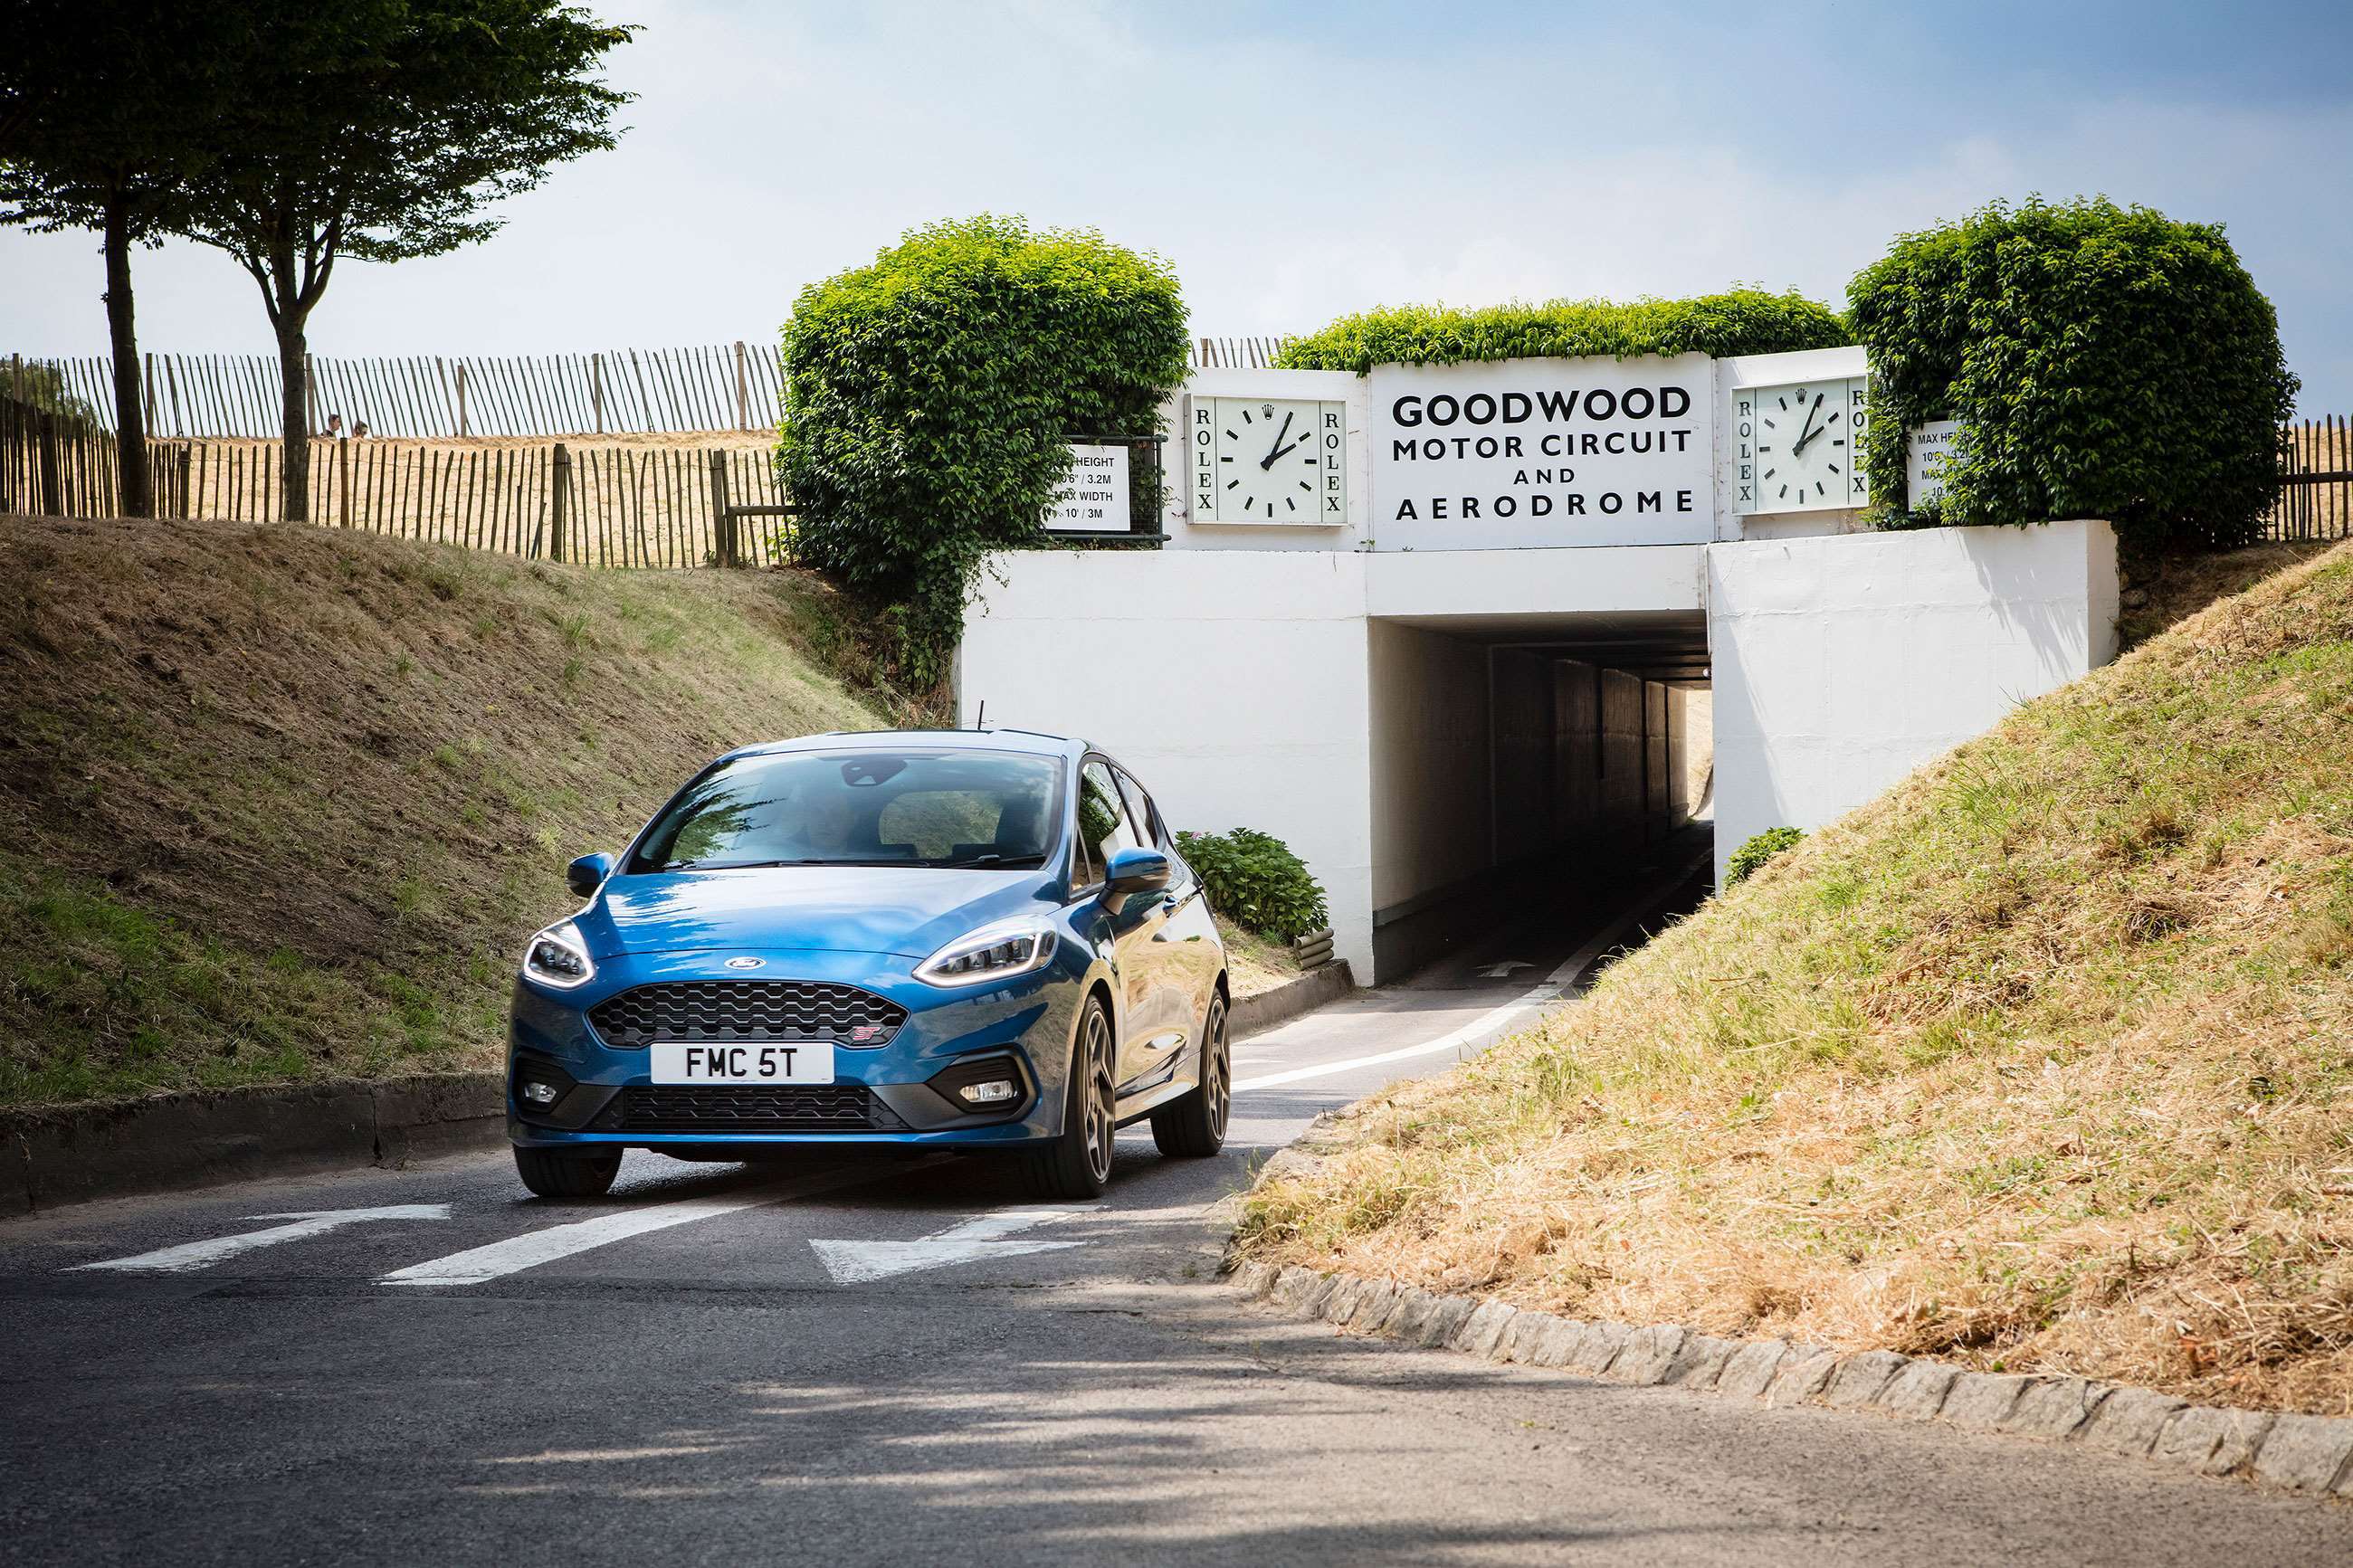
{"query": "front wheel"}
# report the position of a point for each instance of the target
(1193, 1128)
(561, 1174)
(1077, 1164)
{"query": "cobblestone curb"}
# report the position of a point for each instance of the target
(2310, 1454)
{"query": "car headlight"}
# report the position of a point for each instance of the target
(558, 956)
(992, 952)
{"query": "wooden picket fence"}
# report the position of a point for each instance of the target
(722, 386)
(2315, 498)
(592, 505)
(726, 386)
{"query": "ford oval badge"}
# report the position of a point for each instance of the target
(747, 964)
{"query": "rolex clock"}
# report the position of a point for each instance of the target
(1280, 462)
(1797, 448)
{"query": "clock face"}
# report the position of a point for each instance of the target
(1795, 445)
(1279, 462)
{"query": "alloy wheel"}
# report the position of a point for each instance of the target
(1218, 1080)
(1099, 1100)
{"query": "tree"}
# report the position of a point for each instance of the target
(380, 130)
(103, 108)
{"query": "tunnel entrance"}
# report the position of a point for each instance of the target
(1527, 762)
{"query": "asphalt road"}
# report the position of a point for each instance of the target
(852, 1361)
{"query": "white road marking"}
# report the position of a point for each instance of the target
(532, 1248)
(858, 1262)
(197, 1255)
(1503, 971)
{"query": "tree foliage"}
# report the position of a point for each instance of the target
(1739, 321)
(382, 130)
(2102, 361)
(930, 398)
(103, 108)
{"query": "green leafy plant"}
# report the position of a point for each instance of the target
(2102, 360)
(1751, 857)
(1739, 321)
(930, 398)
(1254, 880)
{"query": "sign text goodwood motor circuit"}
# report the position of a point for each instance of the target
(1539, 451)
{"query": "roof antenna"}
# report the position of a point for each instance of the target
(980, 719)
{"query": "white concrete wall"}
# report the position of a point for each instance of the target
(1430, 757)
(1233, 683)
(1843, 663)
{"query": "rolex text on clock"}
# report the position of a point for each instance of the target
(1274, 462)
(1797, 448)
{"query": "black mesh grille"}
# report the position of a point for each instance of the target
(746, 1010)
(754, 1107)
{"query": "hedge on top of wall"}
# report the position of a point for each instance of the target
(2102, 361)
(931, 396)
(1739, 321)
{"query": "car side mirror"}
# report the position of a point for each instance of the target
(1132, 872)
(587, 874)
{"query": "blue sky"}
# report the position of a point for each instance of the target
(1297, 161)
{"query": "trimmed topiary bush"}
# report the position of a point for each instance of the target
(1255, 880)
(930, 398)
(1741, 321)
(1751, 857)
(2102, 361)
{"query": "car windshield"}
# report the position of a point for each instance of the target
(945, 807)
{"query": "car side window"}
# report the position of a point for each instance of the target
(1104, 827)
(1152, 829)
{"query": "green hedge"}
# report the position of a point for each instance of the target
(930, 398)
(1756, 850)
(2102, 360)
(1254, 880)
(1741, 321)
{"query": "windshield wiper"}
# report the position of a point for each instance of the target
(994, 861)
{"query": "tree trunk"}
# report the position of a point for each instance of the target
(138, 499)
(294, 358)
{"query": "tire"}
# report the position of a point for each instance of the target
(1077, 1164)
(1193, 1128)
(559, 1173)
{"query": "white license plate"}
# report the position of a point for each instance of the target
(795, 1061)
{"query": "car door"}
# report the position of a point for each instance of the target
(1185, 957)
(1105, 825)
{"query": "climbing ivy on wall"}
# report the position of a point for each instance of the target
(930, 397)
(1740, 321)
(2102, 362)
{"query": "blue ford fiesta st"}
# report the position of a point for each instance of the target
(927, 939)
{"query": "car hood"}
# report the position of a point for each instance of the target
(910, 910)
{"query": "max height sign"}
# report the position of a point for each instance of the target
(1542, 452)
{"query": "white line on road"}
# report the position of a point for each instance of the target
(532, 1248)
(856, 1262)
(197, 1255)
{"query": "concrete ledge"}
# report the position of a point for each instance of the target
(2307, 1453)
(1304, 994)
(177, 1140)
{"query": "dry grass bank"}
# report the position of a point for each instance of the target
(2042, 1062)
(280, 802)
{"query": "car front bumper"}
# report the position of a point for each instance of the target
(1026, 1023)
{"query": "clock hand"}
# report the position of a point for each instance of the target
(1809, 433)
(1268, 461)
(1284, 453)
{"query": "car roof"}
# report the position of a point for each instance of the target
(1033, 741)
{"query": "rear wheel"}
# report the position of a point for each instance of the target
(1193, 1128)
(1078, 1164)
(561, 1174)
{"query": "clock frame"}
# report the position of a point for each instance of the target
(1796, 446)
(1271, 462)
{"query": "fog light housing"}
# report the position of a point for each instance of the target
(540, 1092)
(996, 1086)
(993, 1091)
(540, 1085)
